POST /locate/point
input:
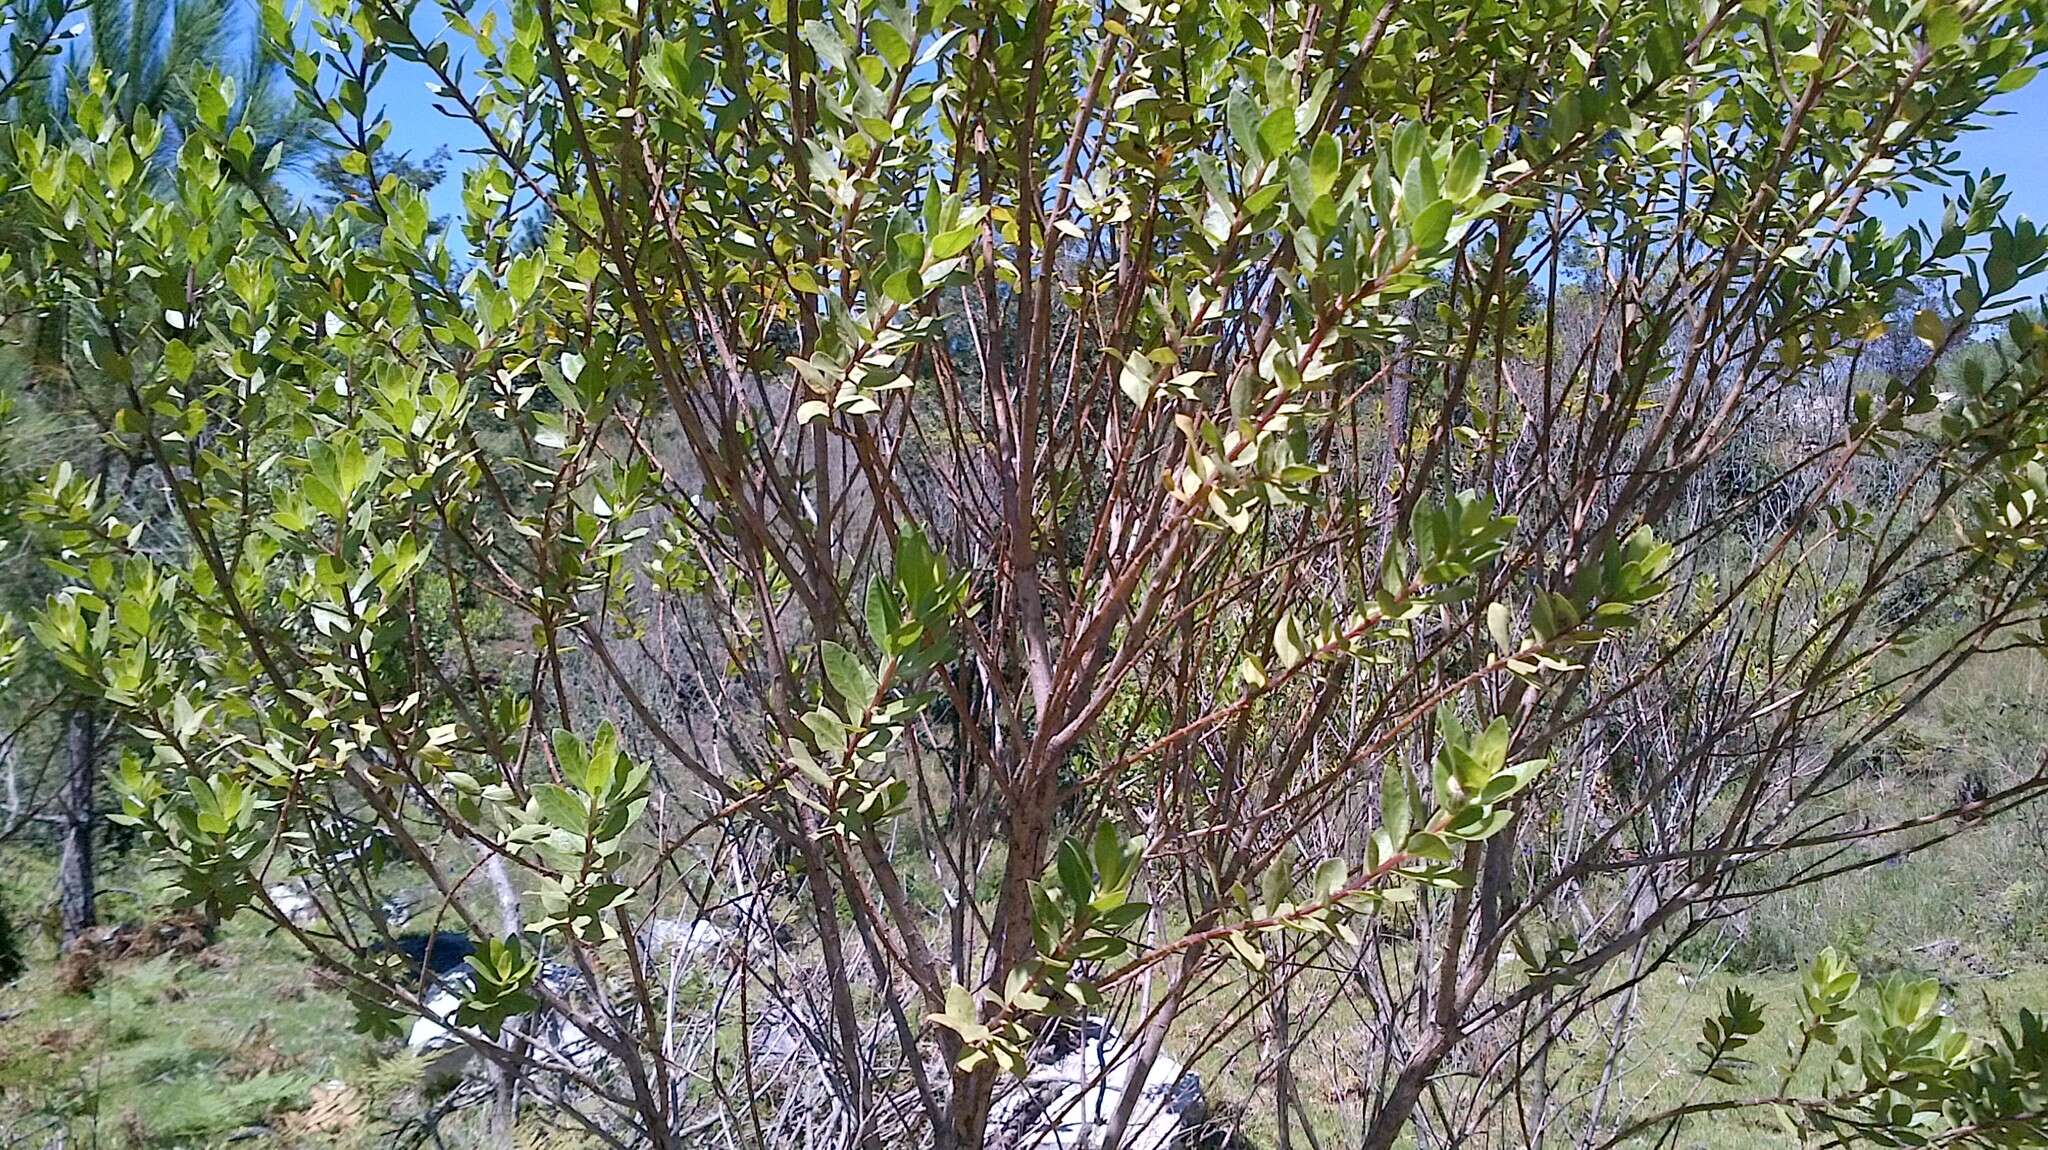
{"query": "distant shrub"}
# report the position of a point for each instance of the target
(11, 961)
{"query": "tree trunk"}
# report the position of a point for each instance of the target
(1393, 476)
(504, 1109)
(1149, 1046)
(1029, 840)
(1394, 460)
(1283, 1070)
(75, 891)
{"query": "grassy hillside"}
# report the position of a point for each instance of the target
(171, 1050)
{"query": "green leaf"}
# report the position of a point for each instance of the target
(890, 43)
(947, 244)
(962, 1016)
(1108, 852)
(883, 617)
(1135, 380)
(855, 684)
(1944, 24)
(1276, 133)
(1246, 949)
(561, 808)
(1243, 119)
(2015, 79)
(828, 730)
(1397, 801)
(1274, 881)
(523, 276)
(1290, 644)
(1929, 327)
(211, 99)
(1331, 875)
(1430, 227)
(1072, 869)
(178, 360)
(1490, 749)
(1465, 173)
(1324, 163)
(825, 40)
(1018, 993)
(1499, 625)
(903, 286)
(568, 750)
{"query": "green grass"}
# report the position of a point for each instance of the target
(1663, 1068)
(171, 1051)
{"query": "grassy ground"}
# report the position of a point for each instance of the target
(237, 1045)
(170, 1051)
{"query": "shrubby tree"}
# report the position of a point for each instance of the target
(1232, 518)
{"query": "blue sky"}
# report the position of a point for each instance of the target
(2015, 143)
